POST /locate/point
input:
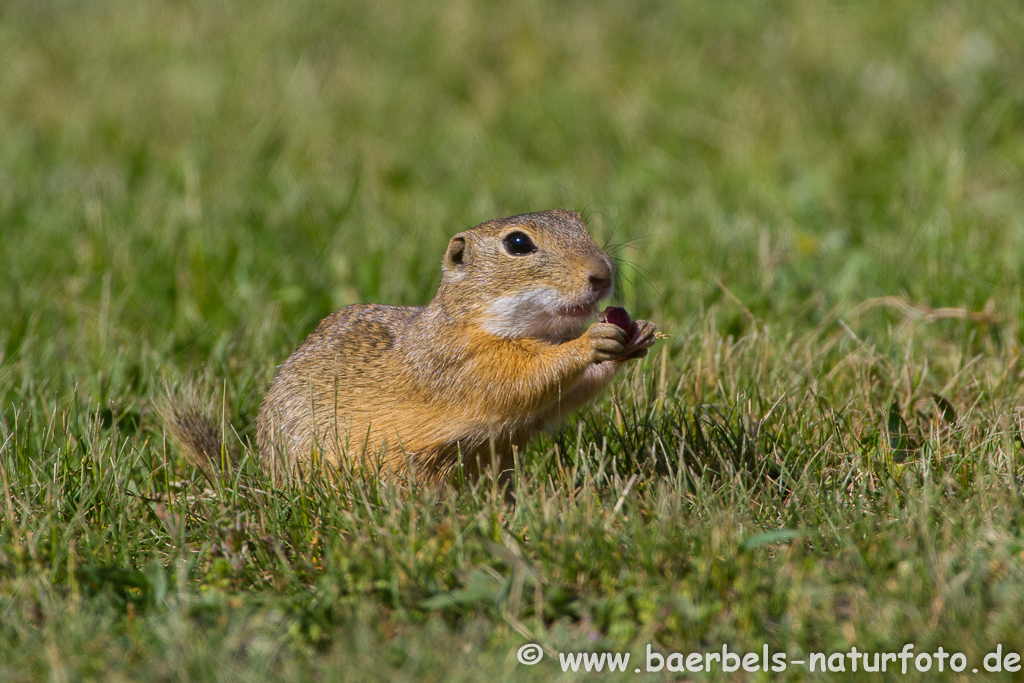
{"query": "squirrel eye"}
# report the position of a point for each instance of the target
(519, 243)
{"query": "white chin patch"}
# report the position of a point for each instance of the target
(531, 314)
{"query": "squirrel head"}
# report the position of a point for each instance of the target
(534, 275)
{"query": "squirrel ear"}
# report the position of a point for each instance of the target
(458, 252)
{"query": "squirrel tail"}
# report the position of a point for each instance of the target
(195, 432)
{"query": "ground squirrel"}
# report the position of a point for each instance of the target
(498, 354)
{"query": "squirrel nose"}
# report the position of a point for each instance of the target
(600, 284)
(602, 270)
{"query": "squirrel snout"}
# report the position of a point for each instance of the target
(601, 284)
(601, 277)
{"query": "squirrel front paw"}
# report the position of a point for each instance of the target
(607, 341)
(641, 338)
(640, 334)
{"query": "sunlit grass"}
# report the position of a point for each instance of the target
(819, 202)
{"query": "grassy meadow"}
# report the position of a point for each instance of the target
(822, 203)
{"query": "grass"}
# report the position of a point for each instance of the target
(820, 202)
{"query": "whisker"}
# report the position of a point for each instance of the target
(639, 271)
(626, 244)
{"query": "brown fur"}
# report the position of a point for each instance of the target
(192, 429)
(498, 354)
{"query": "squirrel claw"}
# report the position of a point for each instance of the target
(641, 338)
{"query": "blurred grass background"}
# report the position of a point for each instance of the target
(193, 171)
(818, 200)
